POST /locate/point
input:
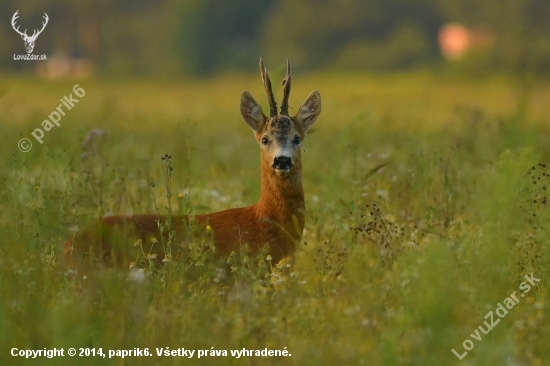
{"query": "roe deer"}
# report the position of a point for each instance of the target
(276, 220)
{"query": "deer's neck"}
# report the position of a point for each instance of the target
(282, 199)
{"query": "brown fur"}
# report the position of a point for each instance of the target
(276, 220)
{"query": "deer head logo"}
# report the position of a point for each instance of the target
(29, 40)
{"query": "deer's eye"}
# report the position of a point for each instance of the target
(297, 140)
(265, 141)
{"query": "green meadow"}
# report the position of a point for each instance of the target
(426, 208)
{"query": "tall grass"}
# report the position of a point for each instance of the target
(422, 217)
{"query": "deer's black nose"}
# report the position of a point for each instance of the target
(282, 162)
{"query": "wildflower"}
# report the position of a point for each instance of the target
(132, 264)
(151, 255)
(138, 243)
(208, 227)
(180, 196)
(269, 258)
(154, 240)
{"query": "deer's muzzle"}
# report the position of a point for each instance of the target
(282, 163)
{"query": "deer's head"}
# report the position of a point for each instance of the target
(29, 40)
(280, 136)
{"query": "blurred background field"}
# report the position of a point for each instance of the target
(438, 147)
(168, 38)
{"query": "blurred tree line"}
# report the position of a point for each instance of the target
(199, 37)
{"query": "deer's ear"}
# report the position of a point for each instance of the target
(252, 112)
(310, 110)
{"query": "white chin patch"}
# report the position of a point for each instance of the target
(282, 171)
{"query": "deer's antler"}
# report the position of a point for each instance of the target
(13, 19)
(286, 88)
(37, 32)
(24, 34)
(268, 89)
